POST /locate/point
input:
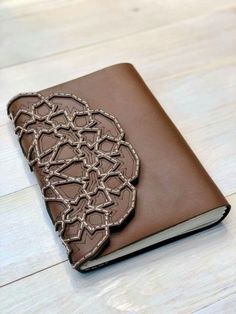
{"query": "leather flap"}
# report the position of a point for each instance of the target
(84, 166)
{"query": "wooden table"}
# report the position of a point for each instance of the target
(185, 51)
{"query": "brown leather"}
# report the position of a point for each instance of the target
(83, 165)
(173, 186)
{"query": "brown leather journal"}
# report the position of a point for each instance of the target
(116, 175)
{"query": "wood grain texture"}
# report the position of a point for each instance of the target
(185, 51)
(81, 23)
(226, 305)
(160, 53)
(29, 242)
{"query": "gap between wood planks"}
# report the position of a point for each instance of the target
(36, 272)
(199, 311)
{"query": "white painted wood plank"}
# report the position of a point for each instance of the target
(51, 28)
(202, 105)
(16, 174)
(226, 305)
(28, 241)
(10, 9)
(159, 54)
(182, 277)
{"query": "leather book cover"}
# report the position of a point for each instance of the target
(112, 167)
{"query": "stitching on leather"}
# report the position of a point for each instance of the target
(47, 126)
